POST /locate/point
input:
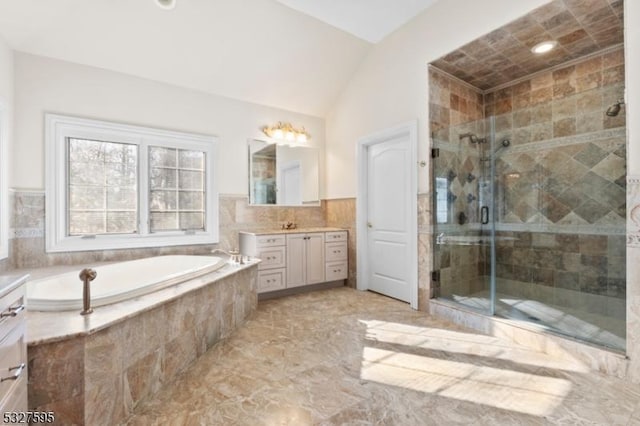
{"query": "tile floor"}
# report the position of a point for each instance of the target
(341, 357)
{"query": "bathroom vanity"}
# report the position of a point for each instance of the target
(13, 347)
(297, 259)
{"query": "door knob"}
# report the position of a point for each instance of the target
(369, 225)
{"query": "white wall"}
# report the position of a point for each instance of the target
(632, 64)
(390, 86)
(6, 72)
(48, 85)
(6, 127)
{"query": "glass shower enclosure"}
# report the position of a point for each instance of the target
(507, 245)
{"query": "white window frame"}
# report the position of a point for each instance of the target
(4, 180)
(59, 128)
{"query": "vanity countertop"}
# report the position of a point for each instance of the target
(292, 231)
(10, 282)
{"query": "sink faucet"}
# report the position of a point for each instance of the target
(87, 275)
(440, 238)
(289, 226)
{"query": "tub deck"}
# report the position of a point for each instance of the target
(96, 369)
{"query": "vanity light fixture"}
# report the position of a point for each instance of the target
(544, 47)
(286, 132)
(166, 4)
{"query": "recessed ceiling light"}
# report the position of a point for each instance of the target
(166, 4)
(544, 47)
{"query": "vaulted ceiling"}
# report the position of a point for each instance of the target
(254, 50)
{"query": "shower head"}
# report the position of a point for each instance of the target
(504, 144)
(473, 138)
(614, 109)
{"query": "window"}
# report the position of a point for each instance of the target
(118, 186)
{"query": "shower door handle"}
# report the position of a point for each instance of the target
(484, 215)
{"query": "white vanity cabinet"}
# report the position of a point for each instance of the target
(305, 259)
(13, 347)
(298, 258)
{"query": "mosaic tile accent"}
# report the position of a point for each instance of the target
(504, 55)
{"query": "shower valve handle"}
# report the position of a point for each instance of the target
(484, 215)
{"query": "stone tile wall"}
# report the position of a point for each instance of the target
(562, 181)
(99, 379)
(27, 247)
(633, 275)
(455, 109)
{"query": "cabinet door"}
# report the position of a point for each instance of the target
(315, 266)
(295, 260)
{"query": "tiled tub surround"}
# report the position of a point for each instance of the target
(27, 223)
(96, 369)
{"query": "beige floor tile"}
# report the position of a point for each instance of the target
(343, 357)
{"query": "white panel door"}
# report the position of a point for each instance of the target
(295, 260)
(389, 218)
(315, 258)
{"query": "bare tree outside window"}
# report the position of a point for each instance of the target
(176, 189)
(102, 187)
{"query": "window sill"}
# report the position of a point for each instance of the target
(119, 242)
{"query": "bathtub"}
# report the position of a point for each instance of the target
(117, 282)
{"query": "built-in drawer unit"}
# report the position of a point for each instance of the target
(297, 258)
(334, 236)
(271, 240)
(13, 347)
(271, 280)
(335, 251)
(273, 257)
(337, 271)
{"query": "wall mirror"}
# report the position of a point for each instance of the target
(283, 175)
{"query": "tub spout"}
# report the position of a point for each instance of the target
(234, 255)
(87, 275)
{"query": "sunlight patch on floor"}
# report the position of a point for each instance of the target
(464, 343)
(504, 389)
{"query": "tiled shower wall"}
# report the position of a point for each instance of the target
(561, 190)
(455, 109)
(562, 182)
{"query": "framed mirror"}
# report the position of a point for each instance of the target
(283, 175)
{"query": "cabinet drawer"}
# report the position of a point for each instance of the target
(335, 251)
(336, 236)
(337, 271)
(270, 240)
(271, 280)
(12, 311)
(271, 258)
(12, 355)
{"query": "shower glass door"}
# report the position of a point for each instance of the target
(463, 188)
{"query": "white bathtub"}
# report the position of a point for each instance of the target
(117, 282)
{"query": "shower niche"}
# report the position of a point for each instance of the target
(529, 174)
